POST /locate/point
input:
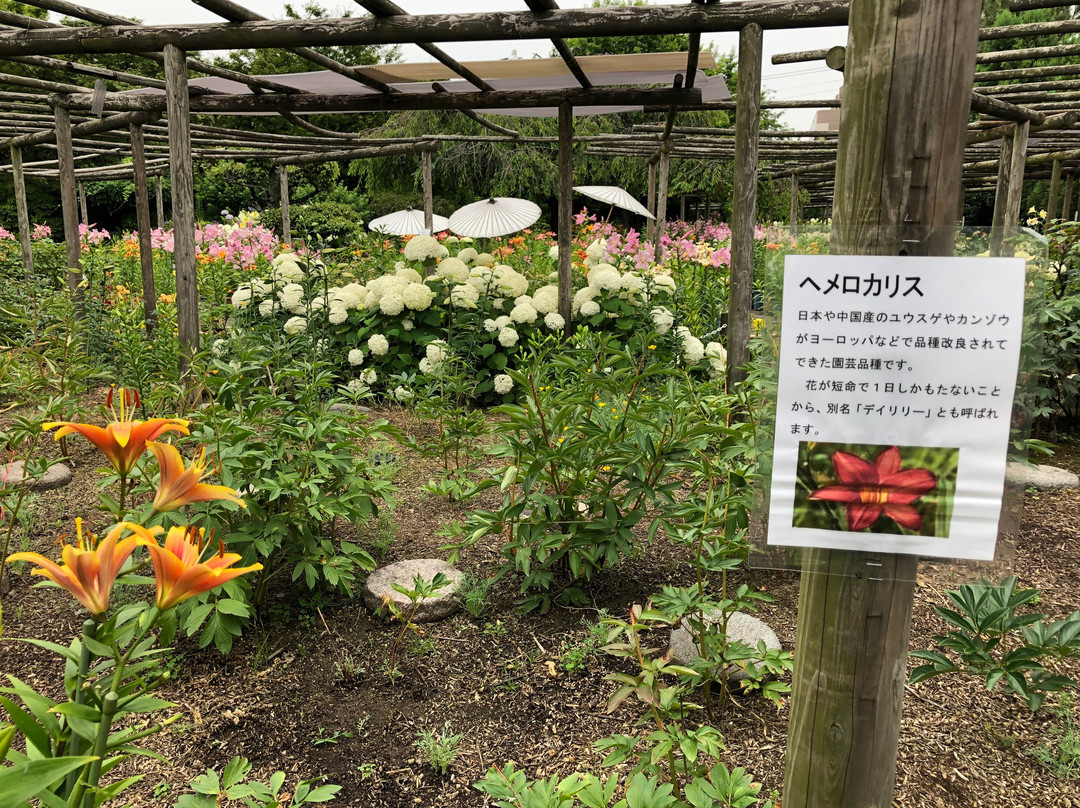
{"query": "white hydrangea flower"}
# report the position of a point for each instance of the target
(546, 299)
(356, 386)
(353, 295)
(605, 276)
(427, 366)
(489, 326)
(417, 296)
(502, 321)
(451, 240)
(436, 351)
(595, 252)
(581, 295)
(421, 248)
(219, 346)
(663, 283)
(356, 357)
(403, 394)
(261, 288)
(391, 304)
(554, 321)
(693, 349)
(408, 325)
(497, 303)
(468, 255)
(523, 313)
(663, 319)
(503, 384)
(453, 269)
(338, 314)
(589, 308)
(295, 325)
(383, 285)
(508, 337)
(632, 283)
(283, 258)
(409, 275)
(482, 259)
(266, 308)
(242, 296)
(464, 296)
(378, 345)
(370, 377)
(510, 282)
(553, 253)
(717, 357)
(288, 271)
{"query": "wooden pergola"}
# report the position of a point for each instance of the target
(909, 123)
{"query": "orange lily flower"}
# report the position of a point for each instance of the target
(124, 440)
(90, 567)
(180, 486)
(179, 572)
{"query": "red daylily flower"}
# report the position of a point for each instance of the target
(870, 490)
(179, 571)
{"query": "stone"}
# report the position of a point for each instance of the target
(359, 409)
(1044, 478)
(14, 474)
(441, 605)
(741, 626)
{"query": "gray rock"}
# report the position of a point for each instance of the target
(1044, 478)
(741, 626)
(14, 474)
(443, 604)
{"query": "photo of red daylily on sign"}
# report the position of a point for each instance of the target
(906, 490)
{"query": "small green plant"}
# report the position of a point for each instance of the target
(472, 591)
(382, 535)
(233, 786)
(350, 667)
(367, 770)
(1060, 752)
(440, 748)
(421, 590)
(574, 655)
(161, 791)
(496, 629)
(421, 646)
(994, 642)
(324, 737)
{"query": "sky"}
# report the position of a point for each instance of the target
(786, 82)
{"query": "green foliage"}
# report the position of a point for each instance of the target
(996, 643)
(439, 747)
(329, 223)
(645, 43)
(472, 591)
(234, 786)
(574, 655)
(1060, 752)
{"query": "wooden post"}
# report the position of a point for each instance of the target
(1001, 193)
(22, 212)
(82, 205)
(1053, 204)
(708, 207)
(908, 75)
(286, 224)
(1015, 185)
(650, 203)
(429, 196)
(661, 199)
(183, 202)
(682, 207)
(566, 211)
(160, 204)
(68, 202)
(142, 214)
(744, 203)
(1066, 207)
(794, 217)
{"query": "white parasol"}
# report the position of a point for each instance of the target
(408, 222)
(494, 217)
(614, 195)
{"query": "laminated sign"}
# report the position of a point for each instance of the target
(893, 410)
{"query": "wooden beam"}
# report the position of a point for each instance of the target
(907, 82)
(986, 105)
(113, 122)
(68, 203)
(1053, 204)
(429, 195)
(183, 204)
(142, 218)
(1063, 121)
(744, 204)
(312, 102)
(571, 62)
(799, 56)
(23, 214)
(358, 154)
(451, 27)
(40, 84)
(566, 211)
(283, 180)
(1023, 54)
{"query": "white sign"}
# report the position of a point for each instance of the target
(894, 403)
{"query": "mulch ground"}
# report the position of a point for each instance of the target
(305, 690)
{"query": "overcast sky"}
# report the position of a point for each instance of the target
(805, 80)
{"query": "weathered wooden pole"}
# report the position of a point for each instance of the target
(142, 217)
(286, 224)
(183, 202)
(82, 204)
(160, 200)
(661, 199)
(22, 213)
(566, 214)
(429, 194)
(68, 202)
(794, 218)
(650, 202)
(1010, 187)
(907, 78)
(1053, 204)
(682, 207)
(744, 203)
(1066, 206)
(1001, 193)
